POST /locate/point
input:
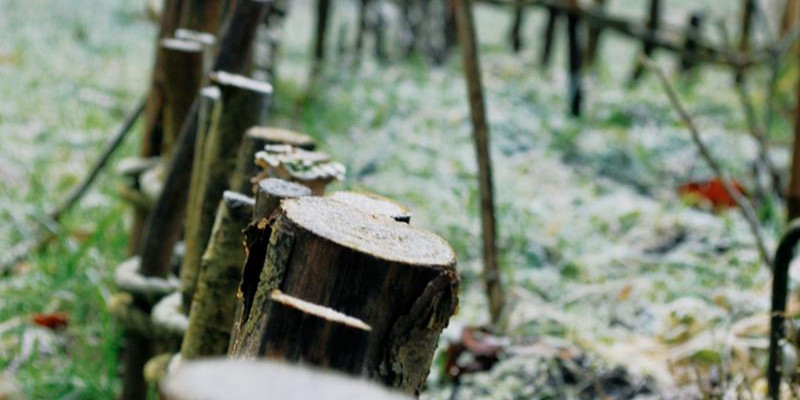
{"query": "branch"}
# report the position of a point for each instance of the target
(744, 205)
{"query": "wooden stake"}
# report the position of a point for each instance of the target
(399, 282)
(549, 36)
(648, 44)
(593, 40)
(244, 380)
(254, 141)
(244, 105)
(183, 72)
(575, 64)
(323, 11)
(214, 302)
(793, 192)
(516, 27)
(693, 30)
(203, 15)
(472, 74)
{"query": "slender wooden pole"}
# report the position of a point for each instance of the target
(793, 192)
(184, 72)
(549, 37)
(575, 64)
(244, 105)
(323, 11)
(472, 74)
(593, 40)
(693, 30)
(214, 302)
(514, 33)
(648, 44)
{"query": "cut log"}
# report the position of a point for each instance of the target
(214, 301)
(184, 71)
(244, 104)
(374, 205)
(399, 280)
(245, 380)
(254, 141)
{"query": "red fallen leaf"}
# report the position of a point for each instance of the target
(56, 320)
(712, 191)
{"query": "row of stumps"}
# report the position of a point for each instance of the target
(242, 255)
(341, 281)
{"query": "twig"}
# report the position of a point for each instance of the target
(25, 248)
(109, 149)
(744, 205)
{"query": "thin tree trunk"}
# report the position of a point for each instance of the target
(693, 31)
(593, 41)
(514, 33)
(323, 11)
(549, 37)
(575, 64)
(793, 192)
(648, 46)
(472, 74)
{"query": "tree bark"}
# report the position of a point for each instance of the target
(254, 141)
(374, 205)
(244, 104)
(399, 281)
(183, 72)
(245, 380)
(472, 74)
(214, 302)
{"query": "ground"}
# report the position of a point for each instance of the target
(601, 256)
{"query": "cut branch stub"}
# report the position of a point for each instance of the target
(399, 280)
(254, 141)
(244, 104)
(214, 301)
(245, 380)
(374, 205)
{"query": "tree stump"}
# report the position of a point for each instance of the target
(245, 380)
(254, 141)
(399, 280)
(214, 301)
(374, 205)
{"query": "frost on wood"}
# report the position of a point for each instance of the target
(311, 168)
